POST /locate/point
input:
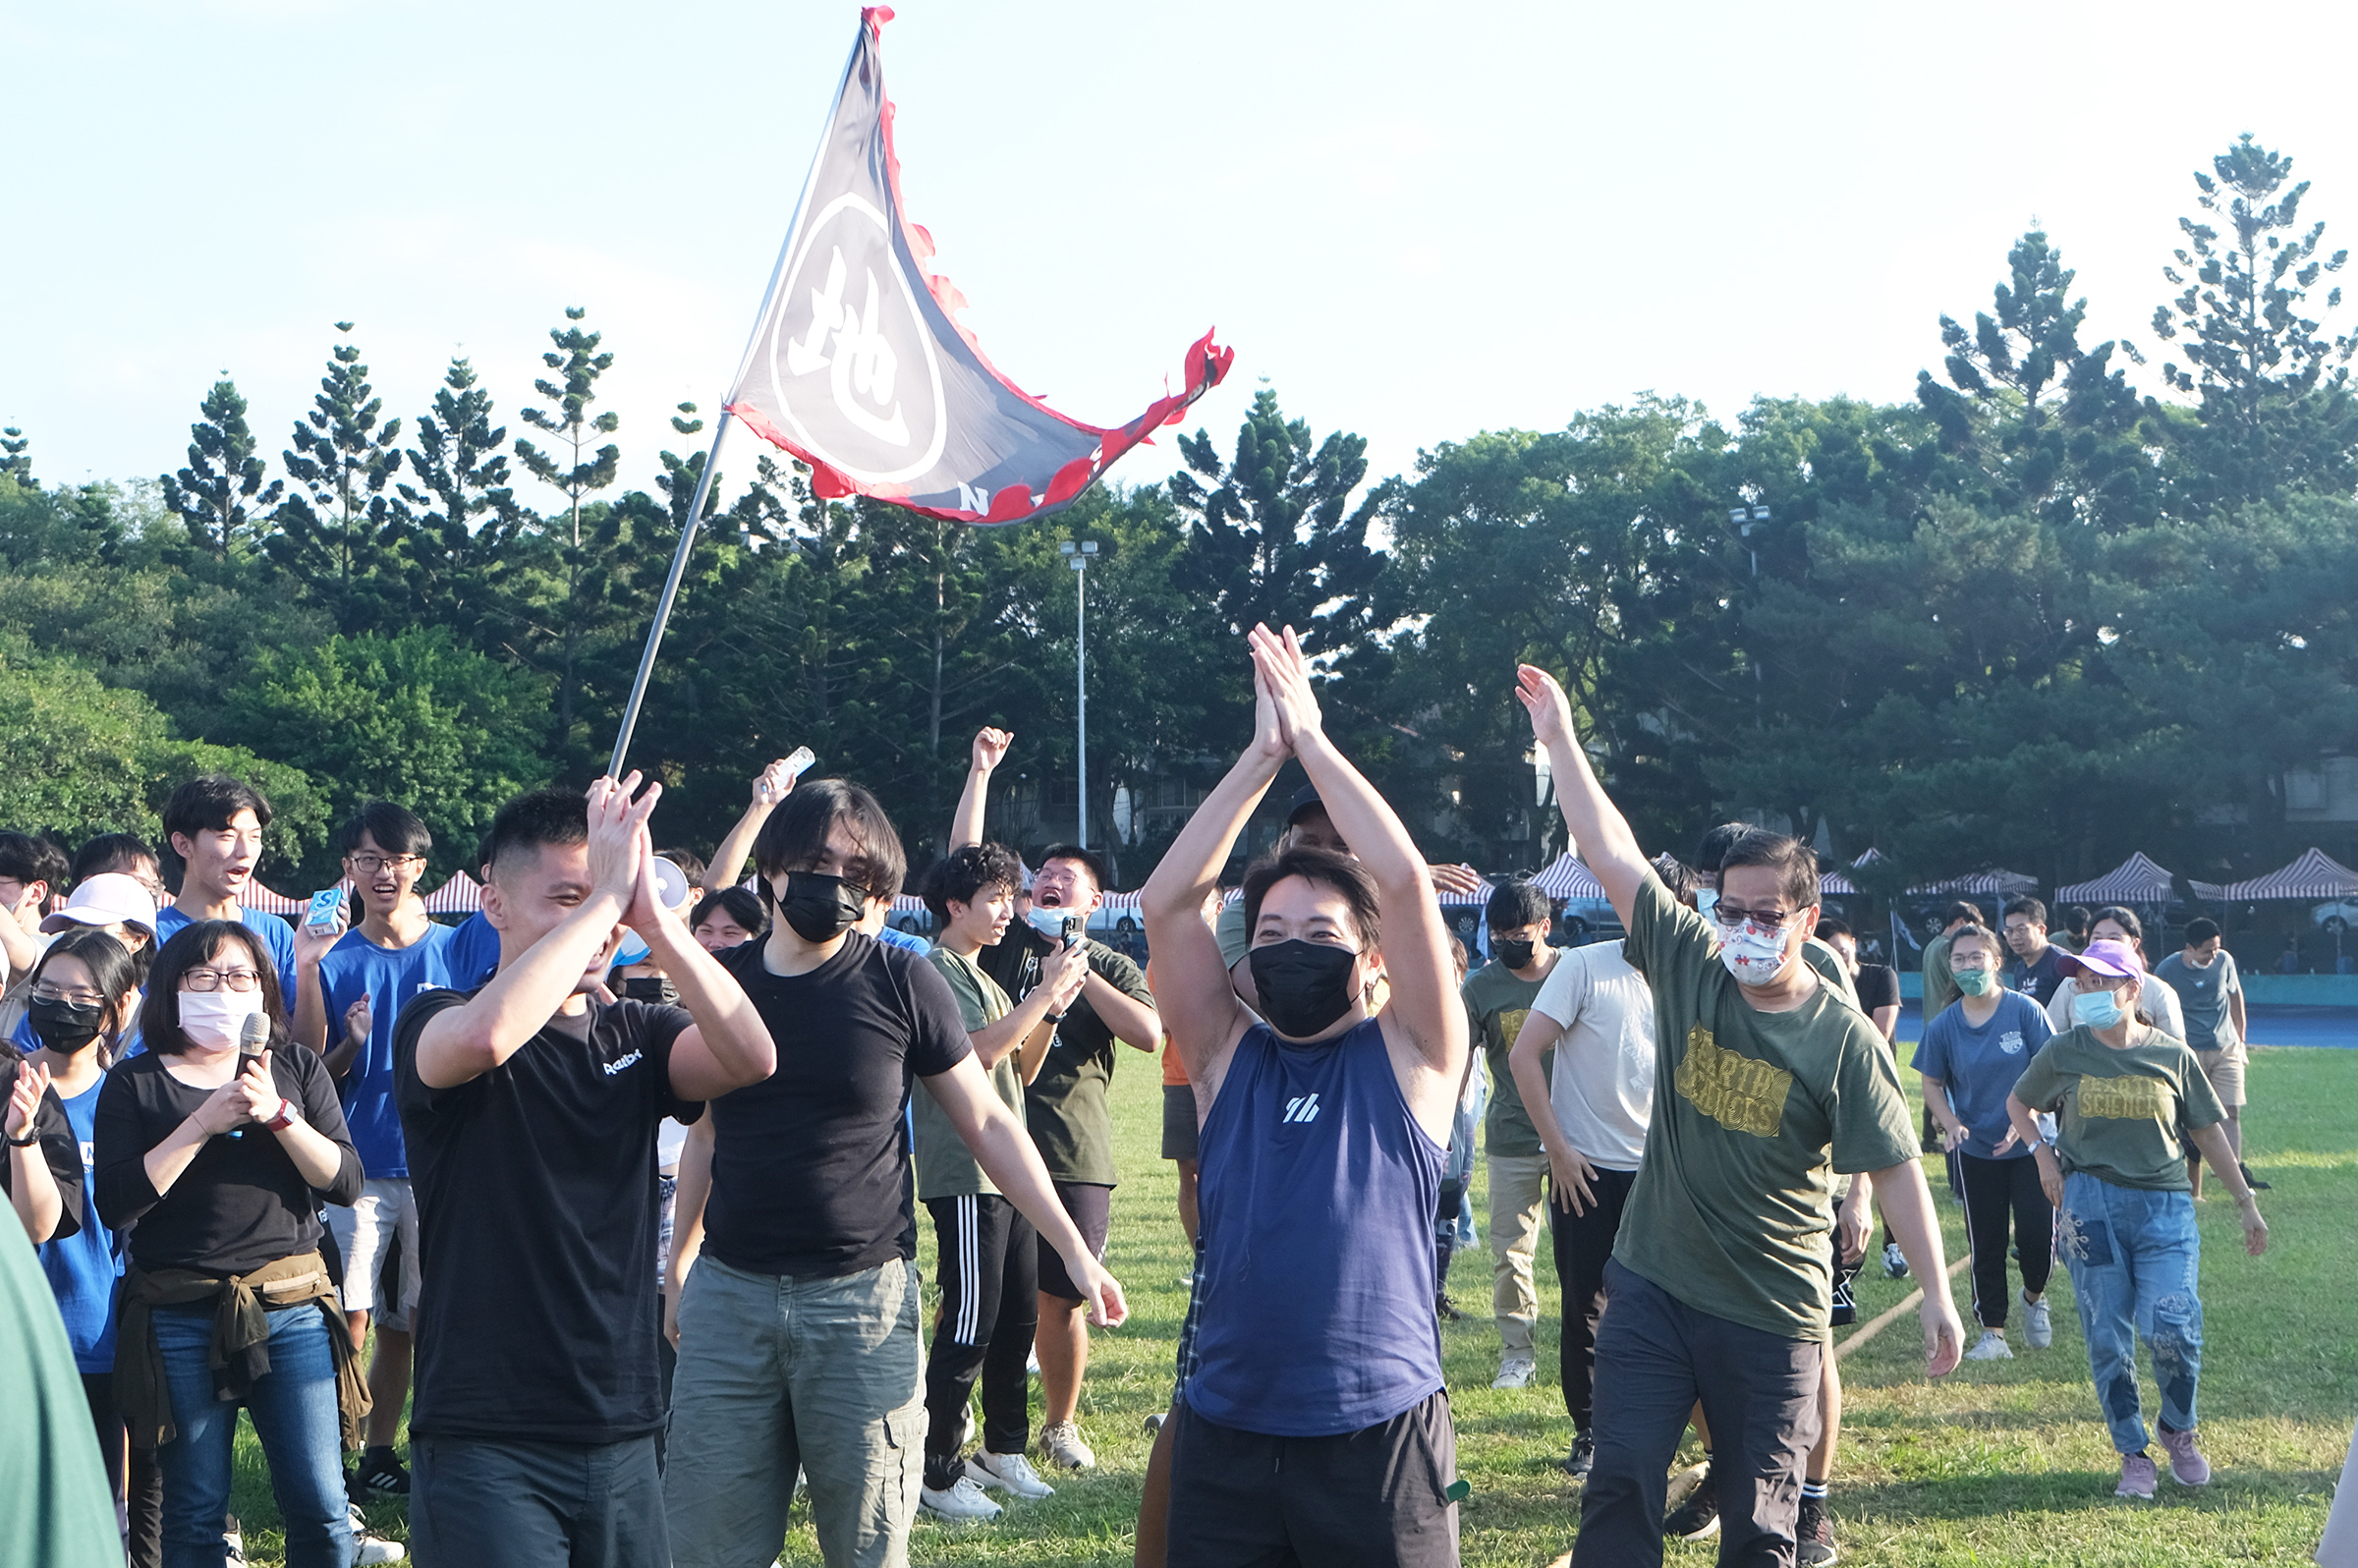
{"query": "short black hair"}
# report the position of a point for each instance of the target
(192, 944)
(1678, 879)
(2201, 929)
(2077, 918)
(1829, 927)
(1716, 844)
(206, 804)
(1959, 909)
(2124, 918)
(1320, 868)
(959, 876)
(1795, 862)
(2027, 907)
(1516, 904)
(28, 857)
(1089, 860)
(484, 848)
(794, 837)
(111, 852)
(396, 829)
(534, 820)
(688, 861)
(734, 902)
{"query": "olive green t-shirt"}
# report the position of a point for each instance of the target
(1065, 1104)
(1497, 1003)
(1754, 1115)
(2122, 1115)
(1939, 980)
(945, 1168)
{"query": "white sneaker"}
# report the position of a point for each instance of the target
(233, 1542)
(1008, 1472)
(1895, 1262)
(1061, 1444)
(963, 1501)
(373, 1547)
(1991, 1346)
(2038, 1327)
(1515, 1373)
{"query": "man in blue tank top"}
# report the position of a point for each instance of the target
(1771, 1083)
(1312, 1425)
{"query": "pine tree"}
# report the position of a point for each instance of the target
(14, 455)
(580, 563)
(334, 532)
(220, 498)
(451, 525)
(680, 476)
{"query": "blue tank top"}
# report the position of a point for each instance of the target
(1315, 1290)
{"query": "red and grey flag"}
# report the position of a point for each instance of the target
(860, 367)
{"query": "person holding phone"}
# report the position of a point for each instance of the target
(223, 1159)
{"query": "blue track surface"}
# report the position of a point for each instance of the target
(2271, 1026)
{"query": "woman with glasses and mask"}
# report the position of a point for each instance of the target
(2156, 1003)
(2131, 1101)
(221, 1141)
(83, 996)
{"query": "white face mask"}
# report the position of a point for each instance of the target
(1049, 922)
(1753, 959)
(215, 1019)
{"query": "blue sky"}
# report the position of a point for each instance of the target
(1417, 221)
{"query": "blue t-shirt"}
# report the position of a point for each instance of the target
(1981, 1066)
(84, 1267)
(276, 935)
(389, 977)
(891, 937)
(472, 954)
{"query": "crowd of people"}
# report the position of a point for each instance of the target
(615, 1186)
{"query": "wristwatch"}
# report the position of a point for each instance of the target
(32, 1136)
(285, 1117)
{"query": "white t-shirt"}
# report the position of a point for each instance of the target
(1602, 1090)
(2155, 999)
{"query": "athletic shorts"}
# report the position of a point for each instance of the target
(377, 1234)
(1091, 1208)
(1377, 1497)
(2225, 1069)
(1179, 1128)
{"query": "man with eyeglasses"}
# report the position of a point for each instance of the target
(1722, 1273)
(348, 1015)
(2038, 963)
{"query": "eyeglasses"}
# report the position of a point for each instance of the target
(370, 864)
(1762, 922)
(214, 980)
(47, 992)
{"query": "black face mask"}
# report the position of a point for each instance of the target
(819, 908)
(1304, 986)
(1513, 954)
(648, 988)
(62, 1025)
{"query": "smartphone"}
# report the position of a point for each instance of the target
(1072, 931)
(324, 903)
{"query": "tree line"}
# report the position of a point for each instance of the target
(2032, 615)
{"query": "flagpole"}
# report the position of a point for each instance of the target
(671, 592)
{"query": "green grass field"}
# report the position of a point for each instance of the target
(2003, 1463)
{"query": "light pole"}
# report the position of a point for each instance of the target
(1078, 556)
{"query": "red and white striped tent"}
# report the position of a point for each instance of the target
(461, 895)
(2314, 878)
(2135, 880)
(258, 897)
(1836, 883)
(1565, 877)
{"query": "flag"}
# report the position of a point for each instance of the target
(860, 367)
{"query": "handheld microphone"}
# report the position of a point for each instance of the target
(253, 1037)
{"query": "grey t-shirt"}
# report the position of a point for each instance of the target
(2202, 992)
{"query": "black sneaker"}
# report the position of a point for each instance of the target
(1813, 1537)
(1583, 1457)
(1698, 1512)
(379, 1475)
(2252, 1181)
(1446, 1310)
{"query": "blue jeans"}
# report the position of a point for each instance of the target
(2134, 1257)
(294, 1414)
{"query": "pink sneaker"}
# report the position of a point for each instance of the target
(2187, 1466)
(2136, 1477)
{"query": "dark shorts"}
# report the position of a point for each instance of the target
(1091, 1208)
(523, 1503)
(1371, 1498)
(1179, 1127)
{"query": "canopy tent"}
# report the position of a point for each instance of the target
(2135, 880)
(1836, 883)
(461, 895)
(1994, 883)
(1477, 898)
(2314, 878)
(1565, 877)
(262, 899)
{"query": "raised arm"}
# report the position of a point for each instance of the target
(1194, 999)
(1416, 944)
(460, 1043)
(729, 1047)
(770, 786)
(1597, 824)
(989, 750)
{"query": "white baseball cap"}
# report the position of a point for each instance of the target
(106, 899)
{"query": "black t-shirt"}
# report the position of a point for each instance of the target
(536, 1217)
(241, 1204)
(809, 1169)
(61, 1151)
(2038, 980)
(1064, 1108)
(1879, 986)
